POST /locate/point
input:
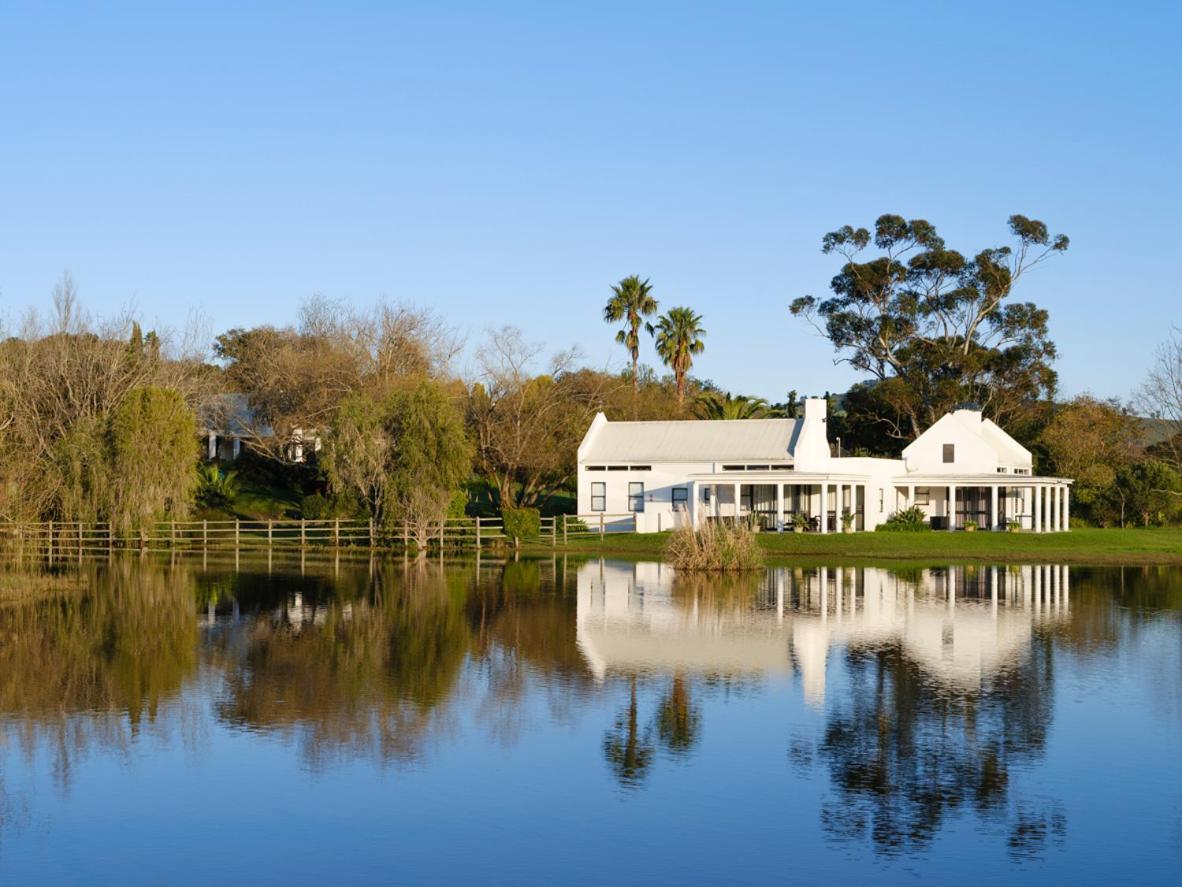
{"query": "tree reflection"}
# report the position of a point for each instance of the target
(678, 718)
(905, 754)
(627, 748)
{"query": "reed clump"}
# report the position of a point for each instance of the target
(715, 547)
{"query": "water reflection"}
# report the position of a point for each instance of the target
(916, 697)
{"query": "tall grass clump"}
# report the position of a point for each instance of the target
(909, 520)
(716, 546)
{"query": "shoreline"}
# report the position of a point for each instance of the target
(1085, 546)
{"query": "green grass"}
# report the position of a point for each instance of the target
(1082, 546)
(257, 500)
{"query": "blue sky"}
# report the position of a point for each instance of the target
(505, 163)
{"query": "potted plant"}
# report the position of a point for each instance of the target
(800, 522)
(847, 521)
(970, 526)
(1013, 526)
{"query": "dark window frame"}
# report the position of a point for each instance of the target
(635, 500)
(949, 453)
(680, 496)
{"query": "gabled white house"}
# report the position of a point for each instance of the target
(658, 475)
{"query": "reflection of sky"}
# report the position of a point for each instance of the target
(197, 801)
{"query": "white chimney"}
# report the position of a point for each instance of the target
(811, 452)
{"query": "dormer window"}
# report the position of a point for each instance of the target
(949, 453)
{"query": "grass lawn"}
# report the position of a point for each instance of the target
(1082, 546)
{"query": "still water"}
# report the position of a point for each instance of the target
(590, 722)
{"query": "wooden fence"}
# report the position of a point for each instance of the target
(63, 537)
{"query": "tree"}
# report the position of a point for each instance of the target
(679, 335)
(714, 405)
(678, 718)
(628, 749)
(404, 456)
(527, 425)
(630, 303)
(1151, 490)
(934, 327)
(1091, 441)
(297, 377)
(1161, 396)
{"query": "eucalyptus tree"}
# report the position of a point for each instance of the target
(631, 302)
(936, 327)
(679, 334)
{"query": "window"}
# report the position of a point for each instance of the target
(599, 496)
(617, 468)
(1001, 469)
(706, 495)
(636, 496)
(923, 496)
(949, 453)
(681, 498)
(596, 468)
(640, 468)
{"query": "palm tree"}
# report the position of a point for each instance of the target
(679, 338)
(628, 749)
(678, 718)
(631, 302)
(714, 405)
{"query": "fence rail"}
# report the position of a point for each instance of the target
(62, 537)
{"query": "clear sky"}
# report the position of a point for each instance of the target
(508, 162)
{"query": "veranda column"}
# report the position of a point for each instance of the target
(1066, 507)
(837, 526)
(737, 492)
(1036, 510)
(714, 497)
(1052, 509)
(824, 508)
(951, 507)
(910, 495)
(780, 507)
(993, 517)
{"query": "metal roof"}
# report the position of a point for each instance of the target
(693, 440)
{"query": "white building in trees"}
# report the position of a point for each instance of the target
(962, 472)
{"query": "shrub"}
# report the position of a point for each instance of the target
(716, 546)
(522, 523)
(315, 507)
(909, 520)
(216, 488)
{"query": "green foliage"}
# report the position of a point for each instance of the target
(933, 326)
(216, 488)
(316, 507)
(909, 520)
(679, 335)
(1149, 491)
(631, 302)
(522, 524)
(715, 405)
(404, 456)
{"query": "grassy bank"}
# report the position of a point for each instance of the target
(1083, 546)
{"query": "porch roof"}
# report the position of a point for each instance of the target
(978, 480)
(776, 477)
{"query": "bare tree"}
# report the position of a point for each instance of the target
(1161, 395)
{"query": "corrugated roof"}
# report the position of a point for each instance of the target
(693, 440)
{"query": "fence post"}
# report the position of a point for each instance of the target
(237, 529)
(80, 537)
(601, 528)
(554, 532)
(477, 532)
(204, 535)
(110, 539)
(442, 528)
(270, 527)
(336, 533)
(303, 532)
(564, 529)
(49, 542)
(172, 533)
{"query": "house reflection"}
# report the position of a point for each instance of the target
(960, 625)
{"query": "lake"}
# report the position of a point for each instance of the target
(588, 722)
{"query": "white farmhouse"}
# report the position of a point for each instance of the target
(657, 475)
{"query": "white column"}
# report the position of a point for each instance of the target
(823, 523)
(1066, 507)
(714, 500)
(951, 507)
(780, 507)
(837, 508)
(1052, 509)
(213, 446)
(993, 516)
(737, 491)
(1036, 509)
